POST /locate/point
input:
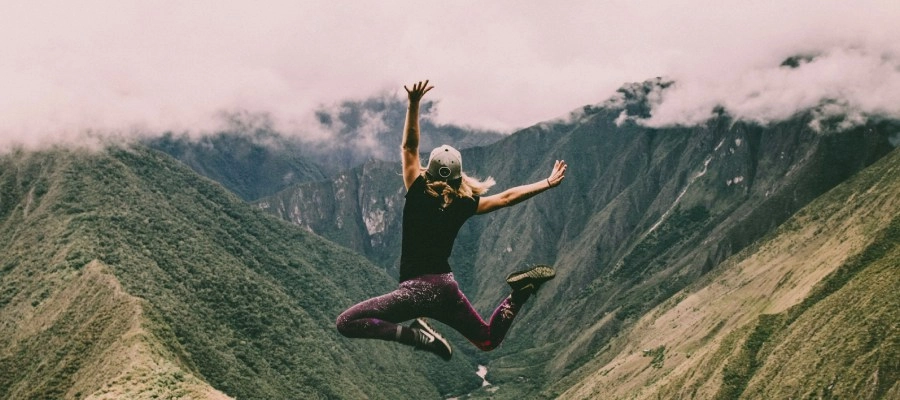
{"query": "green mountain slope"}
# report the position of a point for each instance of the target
(811, 311)
(124, 273)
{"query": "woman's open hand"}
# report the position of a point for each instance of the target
(418, 91)
(558, 174)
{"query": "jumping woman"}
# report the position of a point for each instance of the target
(439, 199)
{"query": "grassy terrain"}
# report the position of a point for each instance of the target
(811, 311)
(125, 273)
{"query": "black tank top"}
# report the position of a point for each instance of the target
(429, 231)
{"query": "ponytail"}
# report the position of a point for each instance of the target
(466, 186)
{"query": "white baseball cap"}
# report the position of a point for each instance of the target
(445, 164)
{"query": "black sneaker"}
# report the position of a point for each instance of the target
(429, 339)
(529, 280)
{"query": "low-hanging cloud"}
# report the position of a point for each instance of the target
(102, 68)
(851, 83)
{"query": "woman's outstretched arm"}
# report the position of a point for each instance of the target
(518, 194)
(409, 148)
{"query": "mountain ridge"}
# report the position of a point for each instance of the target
(255, 161)
(232, 302)
(758, 295)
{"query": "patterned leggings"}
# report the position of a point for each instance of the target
(433, 296)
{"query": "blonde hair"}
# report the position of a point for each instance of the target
(468, 187)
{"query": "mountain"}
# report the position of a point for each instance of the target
(358, 130)
(253, 163)
(254, 160)
(644, 214)
(809, 311)
(124, 274)
(359, 209)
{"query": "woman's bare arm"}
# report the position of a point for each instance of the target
(409, 148)
(518, 194)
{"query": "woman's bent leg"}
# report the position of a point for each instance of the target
(379, 317)
(460, 315)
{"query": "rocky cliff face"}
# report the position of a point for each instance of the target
(643, 213)
(359, 209)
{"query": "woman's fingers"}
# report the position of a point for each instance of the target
(418, 89)
(559, 171)
(559, 166)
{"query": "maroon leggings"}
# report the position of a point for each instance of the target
(433, 296)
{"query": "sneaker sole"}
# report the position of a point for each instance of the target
(539, 273)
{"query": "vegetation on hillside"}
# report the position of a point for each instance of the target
(809, 311)
(238, 299)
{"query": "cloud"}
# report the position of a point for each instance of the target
(895, 139)
(357, 125)
(851, 83)
(134, 67)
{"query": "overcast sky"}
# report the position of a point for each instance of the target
(124, 66)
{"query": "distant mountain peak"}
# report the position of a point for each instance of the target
(636, 97)
(797, 60)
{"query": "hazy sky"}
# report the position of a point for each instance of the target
(124, 66)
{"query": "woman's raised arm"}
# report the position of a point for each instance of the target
(409, 148)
